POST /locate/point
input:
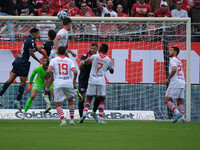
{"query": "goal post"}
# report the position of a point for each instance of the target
(135, 44)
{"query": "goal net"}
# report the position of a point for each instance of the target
(138, 47)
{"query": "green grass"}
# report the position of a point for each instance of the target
(116, 135)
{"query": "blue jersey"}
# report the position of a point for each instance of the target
(47, 46)
(28, 45)
(85, 72)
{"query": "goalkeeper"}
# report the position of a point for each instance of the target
(38, 85)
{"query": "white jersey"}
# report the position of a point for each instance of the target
(100, 64)
(178, 80)
(64, 35)
(62, 71)
(179, 13)
(112, 13)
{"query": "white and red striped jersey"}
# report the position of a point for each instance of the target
(62, 68)
(100, 64)
(178, 80)
(64, 35)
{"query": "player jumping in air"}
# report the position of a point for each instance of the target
(97, 84)
(61, 39)
(21, 65)
(39, 84)
(176, 86)
(83, 80)
(62, 68)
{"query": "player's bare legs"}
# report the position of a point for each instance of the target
(181, 109)
(171, 106)
(71, 110)
(7, 84)
(48, 83)
(60, 114)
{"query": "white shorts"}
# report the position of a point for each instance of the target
(96, 90)
(60, 93)
(52, 54)
(175, 93)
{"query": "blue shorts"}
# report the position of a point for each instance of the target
(82, 86)
(21, 68)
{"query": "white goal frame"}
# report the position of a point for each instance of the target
(124, 19)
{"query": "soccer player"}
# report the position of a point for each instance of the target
(83, 80)
(61, 39)
(21, 65)
(176, 86)
(38, 85)
(62, 68)
(97, 84)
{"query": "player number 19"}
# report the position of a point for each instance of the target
(63, 69)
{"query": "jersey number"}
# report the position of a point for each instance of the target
(179, 70)
(101, 65)
(63, 69)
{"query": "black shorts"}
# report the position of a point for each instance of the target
(21, 68)
(82, 86)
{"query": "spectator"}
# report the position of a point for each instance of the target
(90, 3)
(140, 9)
(108, 30)
(163, 11)
(179, 12)
(188, 4)
(120, 11)
(37, 4)
(85, 9)
(108, 9)
(25, 9)
(151, 34)
(44, 27)
(73, 10)
(66, 9)
(156, 4)
(194, 13)
(57, 5)
(45, 7)
(125, 5)
(7, 9)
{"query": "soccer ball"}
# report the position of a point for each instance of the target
(62, 15)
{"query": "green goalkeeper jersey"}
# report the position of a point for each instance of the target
(40, 75)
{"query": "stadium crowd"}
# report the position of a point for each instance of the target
(104, 8)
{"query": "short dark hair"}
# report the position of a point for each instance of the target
(62, 50)
(66, 21)
(176, 49)
(34, 30)
(94, 44)
(52, 34)
(103, 48)
(109, 0)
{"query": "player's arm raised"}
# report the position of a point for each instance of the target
(31, 52)
(39, 49)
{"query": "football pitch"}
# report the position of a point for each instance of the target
(115, 135)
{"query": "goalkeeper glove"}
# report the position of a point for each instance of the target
(28, 88)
